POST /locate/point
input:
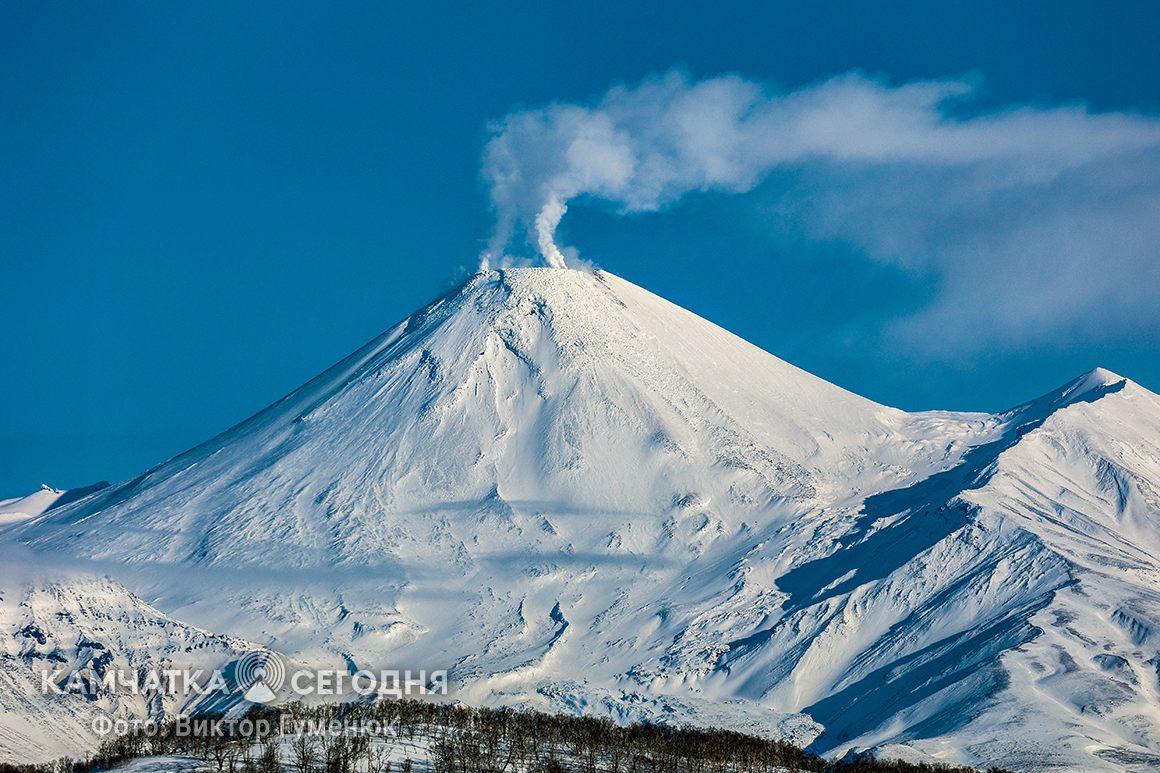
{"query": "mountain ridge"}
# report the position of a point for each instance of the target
(581, 497)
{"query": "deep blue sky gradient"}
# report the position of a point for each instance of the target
(203, 205)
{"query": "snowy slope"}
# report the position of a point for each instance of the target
(579, 496)
(523, 393)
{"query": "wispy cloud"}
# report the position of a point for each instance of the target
(1037, 220)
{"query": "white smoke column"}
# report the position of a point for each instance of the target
(546, 223)
(641, 148)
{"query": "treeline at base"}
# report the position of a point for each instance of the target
(417, 737)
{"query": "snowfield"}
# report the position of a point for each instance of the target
(579, 497)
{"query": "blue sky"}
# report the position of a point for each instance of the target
(202, 207)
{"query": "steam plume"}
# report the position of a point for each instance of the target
(641, 148)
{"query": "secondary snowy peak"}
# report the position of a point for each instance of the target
(1097, 377)
(1009, 601)
(521, 393)
(76, 632)
(1084, 476)
(1087, 387)
(47, 498)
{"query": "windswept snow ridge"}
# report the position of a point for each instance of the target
(578, 496)
(38, 502)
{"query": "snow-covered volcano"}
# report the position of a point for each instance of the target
(578, 496)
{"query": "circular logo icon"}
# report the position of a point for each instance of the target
(260, 673)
